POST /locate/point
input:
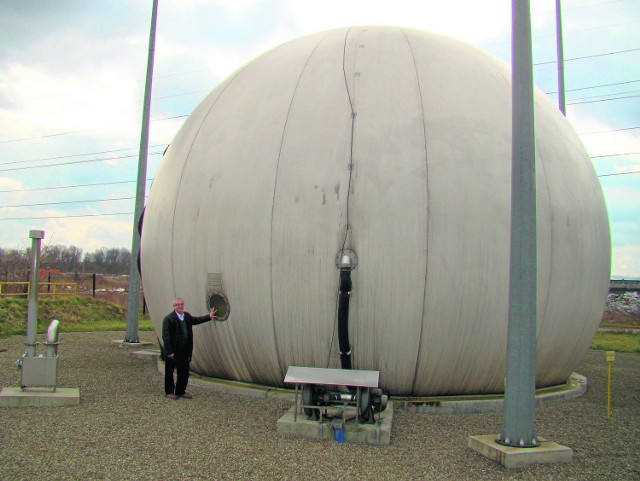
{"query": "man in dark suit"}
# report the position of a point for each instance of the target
(177, 337)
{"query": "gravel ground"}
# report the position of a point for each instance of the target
(125, 429)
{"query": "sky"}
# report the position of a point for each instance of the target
(72, 77)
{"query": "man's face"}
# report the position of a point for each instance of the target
(178, 305)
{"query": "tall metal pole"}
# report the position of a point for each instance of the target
(32, 308)
(519, 398)
(560, 55)
(134, 275)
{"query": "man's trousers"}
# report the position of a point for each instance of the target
(180, 364)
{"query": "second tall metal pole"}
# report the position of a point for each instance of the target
(133, 305)
(560, 56)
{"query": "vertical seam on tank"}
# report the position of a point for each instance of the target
(273, 199)
(426, 166)
(550, 263)
(353, 121)
(187, 157)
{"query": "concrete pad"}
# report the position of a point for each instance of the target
(39, 397)
(146, 354)
(378, 433)
(510, 457)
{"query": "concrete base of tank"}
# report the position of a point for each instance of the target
(380, 433)
(332, 426)
(575, 387)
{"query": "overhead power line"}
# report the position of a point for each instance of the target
(67, 216)
(589, 56)
(620, 173)
(614, 95)
(615, 25)
(609, 131)
(597, 86)
(88, 130)
(66, 202)
(614, 155)
(63, 164)
(602, 100)
(75, 91)
(33, 189)
(594, 4)
(74, 155)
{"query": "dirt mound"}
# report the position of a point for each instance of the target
(622, 308)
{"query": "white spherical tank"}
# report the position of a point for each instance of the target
(394, 144)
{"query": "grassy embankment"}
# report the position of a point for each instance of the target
(76, 314)
(620, 342)
(83, 314)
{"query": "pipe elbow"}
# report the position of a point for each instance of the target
(52, 332)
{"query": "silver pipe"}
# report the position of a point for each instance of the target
(339, 397)
(32, 309)
(52, 339)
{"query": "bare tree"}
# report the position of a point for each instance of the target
(67, 259)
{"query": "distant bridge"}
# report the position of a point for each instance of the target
(624, 285)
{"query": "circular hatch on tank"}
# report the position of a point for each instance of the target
(221, 305)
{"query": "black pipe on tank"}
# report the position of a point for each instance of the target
(344, 294)
(140, 223)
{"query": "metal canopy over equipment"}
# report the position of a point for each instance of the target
(332, 377)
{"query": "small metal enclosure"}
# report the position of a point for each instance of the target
(360, 382)
(42, 370)
(39, 371)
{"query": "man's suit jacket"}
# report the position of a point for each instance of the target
(177, 335)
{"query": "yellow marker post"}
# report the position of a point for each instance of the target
(610, 356)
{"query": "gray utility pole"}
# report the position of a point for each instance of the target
(133, 305)
(560, 55)
(519, 397)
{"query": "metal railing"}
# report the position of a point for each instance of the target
(617, 285)
(45, 289)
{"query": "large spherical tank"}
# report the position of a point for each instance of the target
(393, 144)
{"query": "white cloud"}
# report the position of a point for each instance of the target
(47, 103)
(626, 261)
(164, 132)
(91, 233)
(87, 233)
(7, 183)
(602, 138)
(213, 59)
(229, 5)
(623, 195)
(633, 166)
(471, 21)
